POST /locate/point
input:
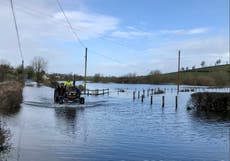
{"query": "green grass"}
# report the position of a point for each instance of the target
(214, 75)
(207, 76)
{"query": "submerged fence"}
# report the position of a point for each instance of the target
(151, 98)
(97, 92)
(148, 95)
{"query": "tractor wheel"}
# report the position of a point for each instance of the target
(56, 96)
(82, 100)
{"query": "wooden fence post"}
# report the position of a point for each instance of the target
(134, 95)
(151, 100)
(176, 101)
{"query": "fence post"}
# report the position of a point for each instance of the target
(138, 94)
(134, 95)
(163, 101)
(142, 98)
(151, 100)
(176, 101)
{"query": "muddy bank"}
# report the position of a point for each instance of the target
(10, 96)
(210, 101)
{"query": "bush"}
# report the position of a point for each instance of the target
(10, 96)
(207, 101)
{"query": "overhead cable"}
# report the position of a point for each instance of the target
(70, 25)
(16, 28)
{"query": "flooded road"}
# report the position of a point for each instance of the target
(114, 128)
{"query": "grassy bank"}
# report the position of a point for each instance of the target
(211, 76)
(208, 76)
(10, 96)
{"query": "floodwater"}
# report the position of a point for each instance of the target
(114, 127)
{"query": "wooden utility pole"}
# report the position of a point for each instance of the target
(23, 72)
(178, 74)
(74, 80)
(85, 70)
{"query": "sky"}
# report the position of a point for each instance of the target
(122, 36)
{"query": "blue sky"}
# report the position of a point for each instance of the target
(122, 36)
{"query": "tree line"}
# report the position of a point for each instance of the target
(35, 71)
(202, 64)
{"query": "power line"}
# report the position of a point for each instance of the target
(71, 27)
(76, 35)
(16, 28)
(105, 56)
(36, 12)
(29, 12)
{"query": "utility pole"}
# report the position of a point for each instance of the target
(23, 72)
(74, 80)
(178, 74)
(85, 70)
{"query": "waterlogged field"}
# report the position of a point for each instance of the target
(114, 127)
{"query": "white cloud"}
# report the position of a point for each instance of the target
(42, 28)
(186, 31)
(130, 34)
(44, 32)
(193, 51)
(89, 25)
(134, 33)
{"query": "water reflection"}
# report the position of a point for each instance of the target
(66, 118)
(5, 133)
(8, 111)
(210, 126)
(4, 140)
(211, 116)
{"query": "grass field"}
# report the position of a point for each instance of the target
(214, 75)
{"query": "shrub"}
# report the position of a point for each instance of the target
(207, 101)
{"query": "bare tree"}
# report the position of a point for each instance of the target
(202, 63)
(218, 62)
(39, 65)
(5, 70)
(155, 72)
